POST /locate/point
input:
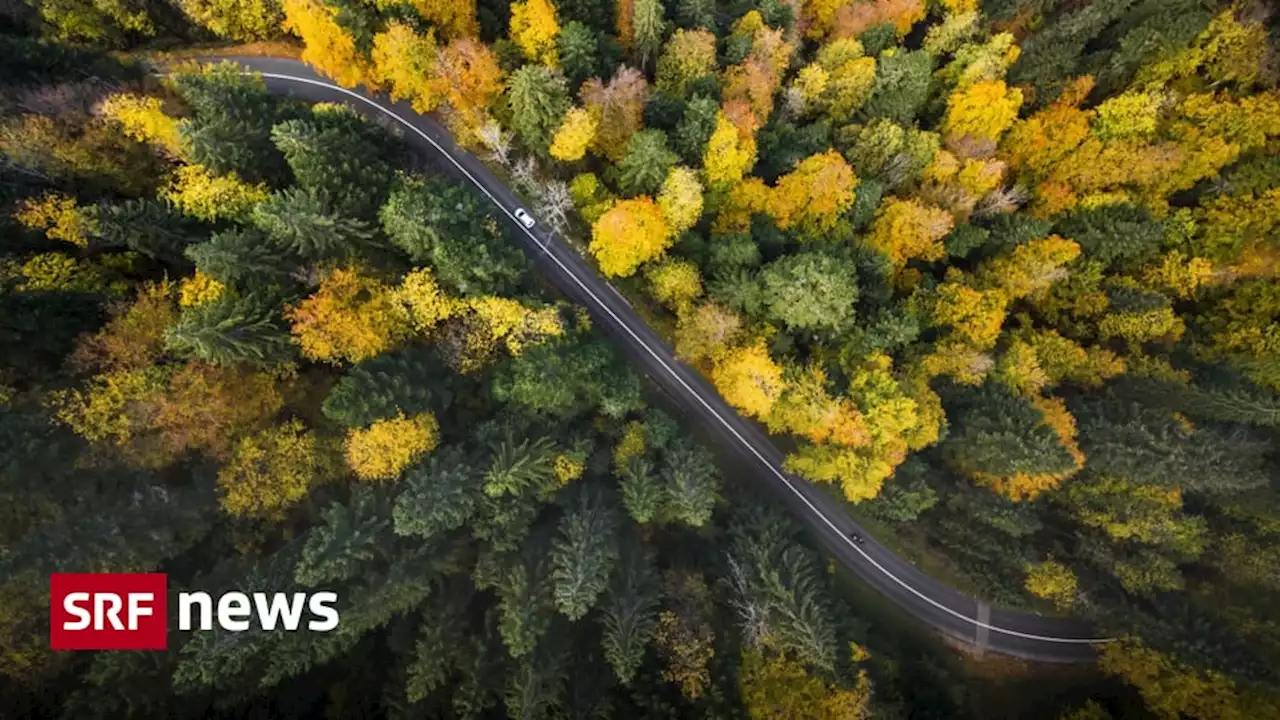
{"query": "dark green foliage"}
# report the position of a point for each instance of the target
(300, 223)
(995, 432)
(904, 498)
(27, 59)
(232, 329)
(901, 87)
(777, 13)
(783, 144)
(596, 14)
(1121, 235)
(780, 591)
(38, 329)
(696, 14)
(730, 253)
(888, 329)
(996, 511)
(229, 129)
(579, 52)
(442, 225)
(663, 112)
(1053, 55)
(1238, 401)
(965, 239)
(240, 258)
(646, 163)
(347, 539)
(149, 227)
(1255, 173)
(740, 291)
(643, 492)
(878, 38)
(1153, 30)
(441, 494)
(565, 379)
(1151, 447)
(539, 99)
(814, 292)
(339, 159)
(689, 472)
(695, 128)
(584, 553)
(866, 201)
(1008, 231)
(629, 612)
(409, 381)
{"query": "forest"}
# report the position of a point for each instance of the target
(1000, 274)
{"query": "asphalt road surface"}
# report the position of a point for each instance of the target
(948, 611)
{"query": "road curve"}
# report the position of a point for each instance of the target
(948, 611)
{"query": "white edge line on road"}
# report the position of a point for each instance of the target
(780, 475)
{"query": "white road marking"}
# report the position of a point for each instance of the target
(779, 474)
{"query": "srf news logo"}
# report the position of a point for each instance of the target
(129, 611)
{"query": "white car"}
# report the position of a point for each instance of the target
(525, 218)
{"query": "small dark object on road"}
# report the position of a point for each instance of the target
(857, 538)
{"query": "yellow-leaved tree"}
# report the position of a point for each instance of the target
(1052, 581)
(814, 194)
(143, 119)
(631, 233)
(327, 46)
(681, 198)
(350, 317)
(729, 154)
(907, 229)
(577, 132)
(405, 62)
(384, 449)
(983, 110)
(273, 470)
(534, 29)
(675, 284)
(749, 379)
(198, 192)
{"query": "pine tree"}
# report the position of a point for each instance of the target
(690, 477)
(583, 554)
(539, 99)
(643, 492)
(629, 612)
(339, 159)
(297, 221)
(232, 329)
(409, 381)
(348, 539)
(440, 495)
(149, 227)
(243, 259)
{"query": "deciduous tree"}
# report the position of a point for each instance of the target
(631, 233)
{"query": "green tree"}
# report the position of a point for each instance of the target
(229, 128)
(579, 53)
(410, 381)
(996, 433)
(564, 380)
(442, 225)
(629, 612)
(347, 539)
(695, 128)
(339, 159)
(646, 164)
(440, 495)
(813, 291)
(241, 258)
(539, 99)
(299, 222)
(901, 87)
(643, 492)
(690, 474)
(649, 27)
(583, 554)
(150, 227)
(232, 329)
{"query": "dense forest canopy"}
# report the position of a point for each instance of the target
(1001, 274)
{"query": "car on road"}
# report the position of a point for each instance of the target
(525, 218)
(856, 537)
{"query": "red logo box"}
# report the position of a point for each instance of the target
(108, 611)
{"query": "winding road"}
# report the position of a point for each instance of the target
(948, 611)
